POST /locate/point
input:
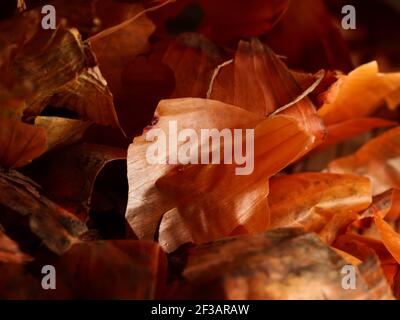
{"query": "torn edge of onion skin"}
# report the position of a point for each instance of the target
(302, 96)
(118, 27)
(311, 88)
(215, 75)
